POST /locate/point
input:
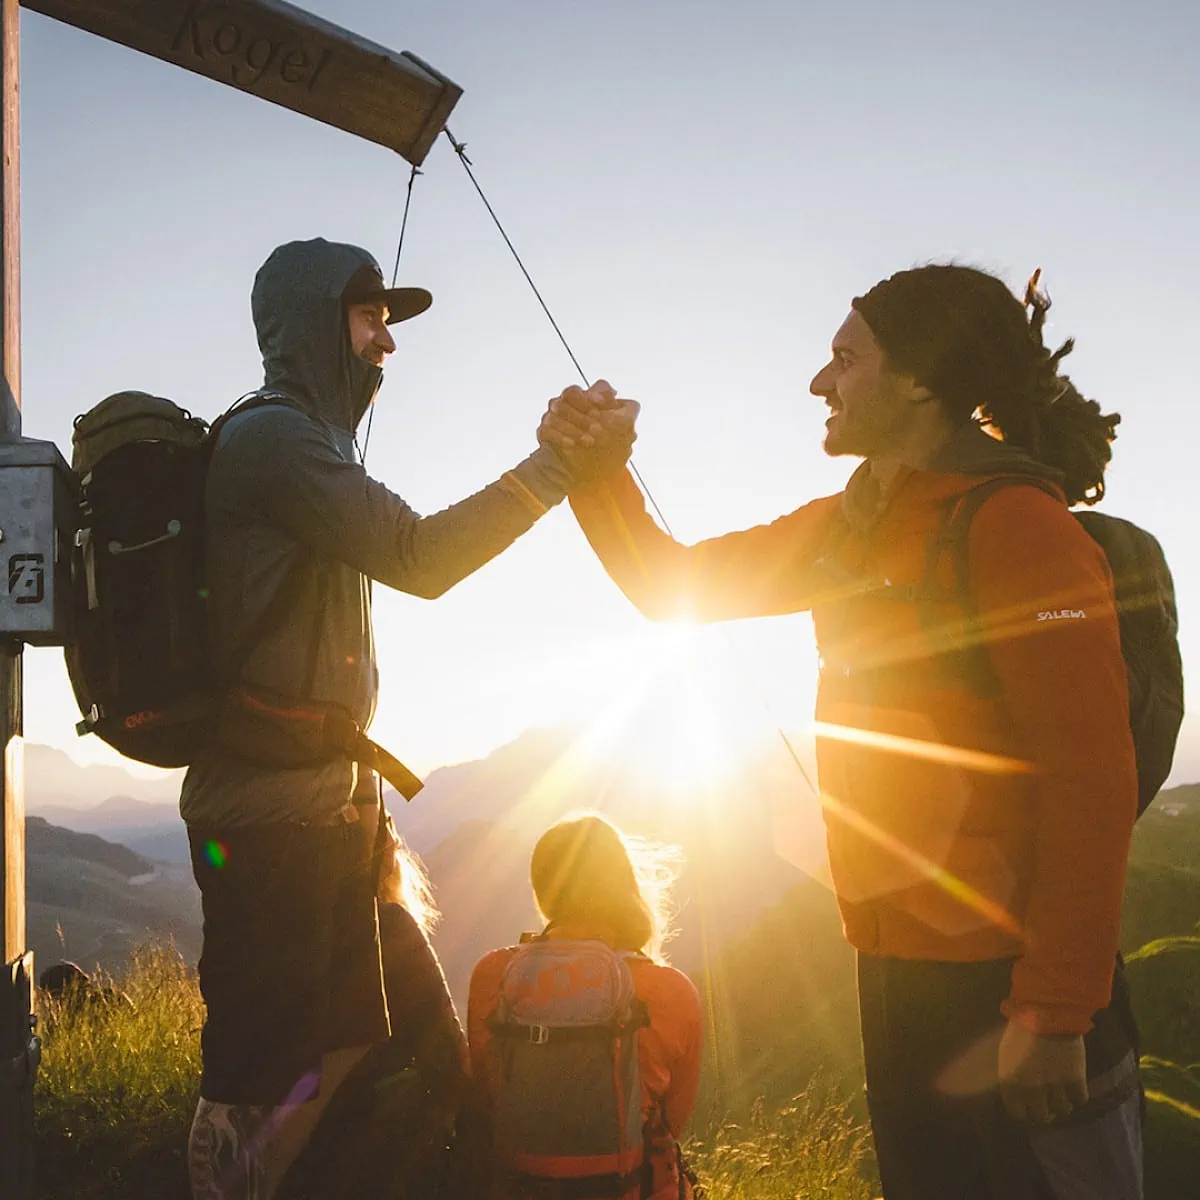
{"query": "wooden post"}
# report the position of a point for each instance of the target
(16, 1093)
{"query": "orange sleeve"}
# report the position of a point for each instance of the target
(672, 1050)
(680, 1099)
(757, 572)
(1043, 592)
(482, 1000)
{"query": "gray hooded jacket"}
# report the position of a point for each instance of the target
(290, 507)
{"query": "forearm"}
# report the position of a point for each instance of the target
(1084, 822)
(762, 571)
(429, 555)
(287, 473)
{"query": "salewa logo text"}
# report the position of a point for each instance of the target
(1063, 614)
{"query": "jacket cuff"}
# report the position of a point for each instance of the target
(1059, 1020)
(542, 480)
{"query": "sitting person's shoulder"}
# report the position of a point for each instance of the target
(489, 970)
(665, 985)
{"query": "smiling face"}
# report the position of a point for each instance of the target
(870, 405)
(370, 338)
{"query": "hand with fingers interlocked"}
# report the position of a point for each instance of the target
(1042, 1077)
(593, 430)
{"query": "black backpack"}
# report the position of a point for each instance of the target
(1146, 614)
(139, 663)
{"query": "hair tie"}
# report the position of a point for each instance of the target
(1038, 301)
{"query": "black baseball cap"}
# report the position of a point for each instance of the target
(366, 287)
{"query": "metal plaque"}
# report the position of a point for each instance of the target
(281, 53)
(37, 524)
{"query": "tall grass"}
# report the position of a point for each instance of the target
(811, 1149)
(119, 1079)
(118, 1083)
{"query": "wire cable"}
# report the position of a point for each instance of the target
(460, 148)
(412, 178)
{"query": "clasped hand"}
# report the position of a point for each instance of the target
(592, 431)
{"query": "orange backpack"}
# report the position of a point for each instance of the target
(568, 1109)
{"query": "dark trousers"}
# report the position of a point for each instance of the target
(290, 968)
(930, 1034)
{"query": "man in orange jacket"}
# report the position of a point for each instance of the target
(976, 762)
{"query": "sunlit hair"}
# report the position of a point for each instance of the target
(962, 334)
(403, 881)
(584, 869)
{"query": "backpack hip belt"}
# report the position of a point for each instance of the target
(273, 732)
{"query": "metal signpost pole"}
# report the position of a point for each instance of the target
(16, 1062)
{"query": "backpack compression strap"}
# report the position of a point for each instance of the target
(639, 1018)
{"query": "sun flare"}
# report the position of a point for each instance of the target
(669, 722)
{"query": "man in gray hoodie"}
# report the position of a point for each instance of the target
(282, 835)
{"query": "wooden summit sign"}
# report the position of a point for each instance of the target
(281, 53)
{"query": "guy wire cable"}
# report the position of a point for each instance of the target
(460, 148)
(412, 178)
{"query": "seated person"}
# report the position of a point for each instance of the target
(403, 1122)
(585, 1043)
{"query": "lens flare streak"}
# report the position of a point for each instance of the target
(951, 884)
(951, 756)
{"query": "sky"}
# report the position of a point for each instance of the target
(699, 189)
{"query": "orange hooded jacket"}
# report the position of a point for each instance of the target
(669, 1050)
(963, 823)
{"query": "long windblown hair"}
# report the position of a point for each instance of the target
(403, 881)
(961, 333)
(585, 870)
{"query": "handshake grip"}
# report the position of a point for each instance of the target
(592, 432)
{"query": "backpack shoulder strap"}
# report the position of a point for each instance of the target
(967, 650)
(953, 536)
(243, 404)
(276, 611)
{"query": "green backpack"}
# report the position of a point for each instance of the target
(1146, 613)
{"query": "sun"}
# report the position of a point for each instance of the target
(674, 721)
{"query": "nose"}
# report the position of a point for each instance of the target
(822, 381)
(384, 340)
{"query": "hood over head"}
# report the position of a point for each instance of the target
(300, 316)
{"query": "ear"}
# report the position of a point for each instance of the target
(913, 392)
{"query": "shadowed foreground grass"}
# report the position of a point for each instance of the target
(118, 1085)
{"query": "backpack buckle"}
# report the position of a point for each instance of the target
(539, 1035)
(93, 718)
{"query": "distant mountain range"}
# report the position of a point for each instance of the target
(474, 826)
(93, 901)
(53, 778)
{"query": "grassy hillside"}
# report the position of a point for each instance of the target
(117, 1089)
(1162, 891)
(117, 1085)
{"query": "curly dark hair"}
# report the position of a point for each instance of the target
(961, 333)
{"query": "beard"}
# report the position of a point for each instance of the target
(842, 438)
